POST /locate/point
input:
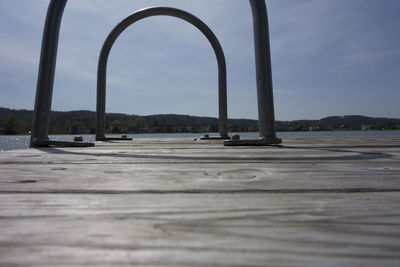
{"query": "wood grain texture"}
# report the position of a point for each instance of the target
(180, 202)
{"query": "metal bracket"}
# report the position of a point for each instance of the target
(50, 143)
(254, 142)
(114, 138)
(208, 137)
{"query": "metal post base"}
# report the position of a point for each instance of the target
(113, 139)
(254, 142)
(207, 137)
(50, 143)
(118, 139)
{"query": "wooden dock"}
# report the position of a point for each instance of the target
(181, 202)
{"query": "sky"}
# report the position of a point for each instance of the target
(338, 57)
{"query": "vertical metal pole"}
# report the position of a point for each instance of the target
(222, 92)
(101, 92)
(47, 65)
(266, 116)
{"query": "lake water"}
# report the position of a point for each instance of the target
(12, 142)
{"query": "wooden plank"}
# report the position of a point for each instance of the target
(201, 229)
(181, 202)
(200, 177)
(178, 165)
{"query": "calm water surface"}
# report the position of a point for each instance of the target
(11, 142)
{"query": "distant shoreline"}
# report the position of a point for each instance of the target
(211, 133)
(14, 122)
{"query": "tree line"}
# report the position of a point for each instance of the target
(83, 121)
(79, 122)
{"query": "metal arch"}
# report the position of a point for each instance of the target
(44, 91)
(150, 12)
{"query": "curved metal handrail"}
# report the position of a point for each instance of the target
(150, 12)
(44, 90)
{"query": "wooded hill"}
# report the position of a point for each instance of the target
(83, 121)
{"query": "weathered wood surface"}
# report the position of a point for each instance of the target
(168, 202)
